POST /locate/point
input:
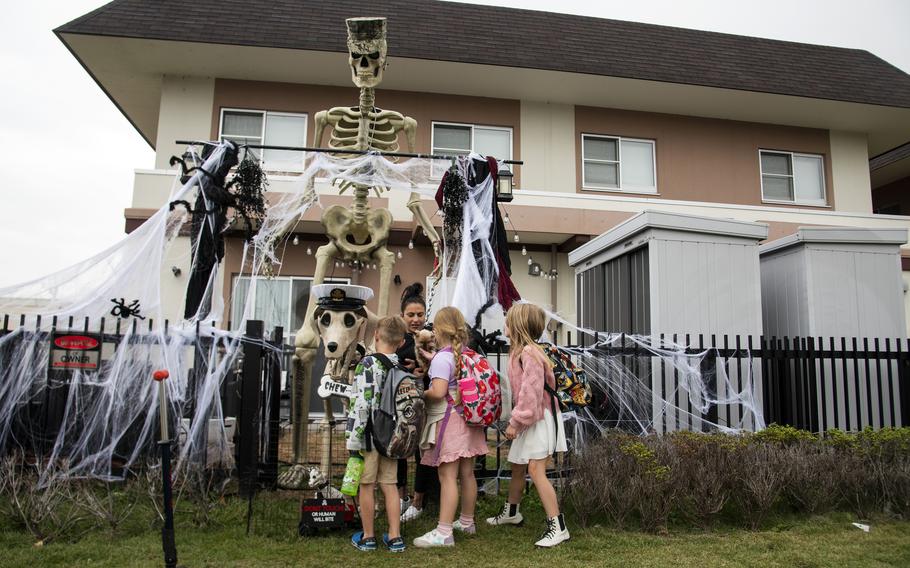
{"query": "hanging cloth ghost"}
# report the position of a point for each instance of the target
(209, 219)
(471, 230)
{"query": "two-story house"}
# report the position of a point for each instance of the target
(609, 117)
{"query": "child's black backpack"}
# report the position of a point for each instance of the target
(395, 424)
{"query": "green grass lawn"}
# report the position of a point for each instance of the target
(828, 540)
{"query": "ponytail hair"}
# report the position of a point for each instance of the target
(413, 294)
(449, 324)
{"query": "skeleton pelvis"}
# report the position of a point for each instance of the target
(357, 238)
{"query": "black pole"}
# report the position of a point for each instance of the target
(168, 544)
(167, 532)
(338, 151)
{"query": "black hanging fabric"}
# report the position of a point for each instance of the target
(209, 219)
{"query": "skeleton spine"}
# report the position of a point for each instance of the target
(360, 205)
(367, 101)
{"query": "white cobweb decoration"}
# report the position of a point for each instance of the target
(104, 422)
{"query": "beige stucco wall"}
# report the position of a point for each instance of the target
(850, 171)
(186, 114)
(173, 288)
(703, 159)
(548, 146)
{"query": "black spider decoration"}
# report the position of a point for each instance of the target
(121, 310)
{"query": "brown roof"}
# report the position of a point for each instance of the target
(467, 33)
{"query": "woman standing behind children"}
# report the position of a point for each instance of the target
(426, 479)
(535, 432)
(448, 442)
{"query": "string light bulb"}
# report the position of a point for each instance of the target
(530, 261)
(506, 219)
(411, 245)
(516, 237)
(309, 251)
(524, 250)
(296, 240)
(400, 255)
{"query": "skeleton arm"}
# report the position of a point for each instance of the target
(319, 127)
(410, 132)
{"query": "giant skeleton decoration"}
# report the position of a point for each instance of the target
(356, 234)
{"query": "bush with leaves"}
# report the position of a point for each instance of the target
(658, 479)
(814, 471)
(705, 462)
(760, 474)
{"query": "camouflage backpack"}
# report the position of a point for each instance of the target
(572, 388)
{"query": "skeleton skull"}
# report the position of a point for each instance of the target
(367, 50)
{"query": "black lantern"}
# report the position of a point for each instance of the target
(504, 186)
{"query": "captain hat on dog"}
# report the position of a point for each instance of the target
(341, 296)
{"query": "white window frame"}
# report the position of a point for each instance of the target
(265, 114)
(433, 149)
(619, 140)
(289, 332)
(823, 202)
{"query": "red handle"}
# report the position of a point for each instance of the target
(160, 375)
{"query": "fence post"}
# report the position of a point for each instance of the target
(272, 408)
(248, 425)
(902, 378)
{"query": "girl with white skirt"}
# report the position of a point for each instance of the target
(535, 426)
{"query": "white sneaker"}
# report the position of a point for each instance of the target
(503, 518)
(433, 539)
(555, 534)
(410, 514)
(461, 528)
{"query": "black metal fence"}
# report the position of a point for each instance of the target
(811, 383)
(815, 384)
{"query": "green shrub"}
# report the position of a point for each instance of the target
(782, 435)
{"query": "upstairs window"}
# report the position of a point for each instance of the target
(461, 139)
(789, 177)
(271, 129)
(615, 163)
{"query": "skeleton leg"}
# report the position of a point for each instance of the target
(307, 342)
(386, 260)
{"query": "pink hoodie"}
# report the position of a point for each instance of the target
(526, 377)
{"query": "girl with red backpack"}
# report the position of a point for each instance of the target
(448, 441)
(535, 427)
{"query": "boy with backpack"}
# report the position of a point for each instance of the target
(382, 395)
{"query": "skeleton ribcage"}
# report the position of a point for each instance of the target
(378, 132)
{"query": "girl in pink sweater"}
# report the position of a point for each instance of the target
(534, 430)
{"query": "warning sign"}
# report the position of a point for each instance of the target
(322, 513)
(71, 351)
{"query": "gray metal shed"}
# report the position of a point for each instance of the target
(825, 283)
(673, 274)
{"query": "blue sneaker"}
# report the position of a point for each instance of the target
(394, 544)
(364, 544)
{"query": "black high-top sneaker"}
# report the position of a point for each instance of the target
(510, 515)
(555, 534)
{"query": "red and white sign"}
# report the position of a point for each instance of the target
(71, 351)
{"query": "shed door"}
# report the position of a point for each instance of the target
(614, 296)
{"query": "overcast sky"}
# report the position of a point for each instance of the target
(69, 155)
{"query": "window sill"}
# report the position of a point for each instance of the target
(796, 203)
(654, 193)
